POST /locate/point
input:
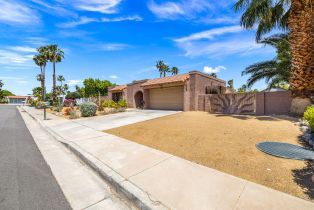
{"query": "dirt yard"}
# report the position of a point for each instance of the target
(227, 143)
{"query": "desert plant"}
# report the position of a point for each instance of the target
(109, 104)
(73, 114)
(309, 117)
(67, 110)
(123, 104)
(88, 109)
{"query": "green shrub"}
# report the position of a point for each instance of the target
(109, 104)
(309, 113)
(123, 104)
(309, 117)
(88, 109)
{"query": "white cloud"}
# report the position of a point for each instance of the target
(23, 49)
(56, 8)
(74, 82)
(119, 19)
(208, 69)
(174, 10)
(13, 12)
(114, 46)
(102, 6)
(210, 34)
(80, 21)
(38, 41)
(13, 58)
(220, 48)
(113, 77)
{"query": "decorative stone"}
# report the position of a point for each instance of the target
(307, 137)
(311, 142)
(305, 129)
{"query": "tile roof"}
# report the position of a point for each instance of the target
(17, 97)
(118, 88)
(166, 80)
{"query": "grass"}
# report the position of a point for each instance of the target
(227, 143)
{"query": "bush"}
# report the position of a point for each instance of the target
(309, 116)
(73, 95)
(123, 104)
(109, 104)
(309, 113)
(69, 103)
(67, 111)
(88, 109)
(73, 114)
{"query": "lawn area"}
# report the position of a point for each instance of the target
(227, 143)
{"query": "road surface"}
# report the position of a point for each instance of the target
(26, 181)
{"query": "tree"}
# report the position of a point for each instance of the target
(66, 88)
(266, 14)
(93, 87)
(61, 79)
(301, 24)
(230, 84)
(174, 70)
(273, 71)
(162, 68)
(298, 17)
(213, 75)
(6, 93)
(80, 90)
(41, 61)
(1, 85)
(37, 91)
(55, 55)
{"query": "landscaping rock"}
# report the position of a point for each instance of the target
(305, 129)
(307, 137)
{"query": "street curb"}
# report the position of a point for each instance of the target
(124, 187)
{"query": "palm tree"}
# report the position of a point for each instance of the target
(273, 71)
(41, 61)
(60, 78)
(298, 17)
(55, 55)
(301, 24)
(1, 85)
(160, 66)
(266, 14)
(174, 70)
(165, 69)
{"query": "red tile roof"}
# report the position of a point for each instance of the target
(167, 80)
(18, 97)
(118, 88)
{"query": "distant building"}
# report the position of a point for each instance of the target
(273, 90)
(17, 99)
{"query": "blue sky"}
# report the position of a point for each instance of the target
(120, 40)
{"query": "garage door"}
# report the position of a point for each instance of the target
(170, 98)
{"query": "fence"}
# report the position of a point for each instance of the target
(91, 99)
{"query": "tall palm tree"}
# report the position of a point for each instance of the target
(160, 66)
(61, 79)
(41, 61)
(274, 71)
(1, 85)
(301, 24)
(298, 17)
(266, 14)
(55, 55)
(165, 69)
(174, 70)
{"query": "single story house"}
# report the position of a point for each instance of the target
(17, 99)
(179, 92)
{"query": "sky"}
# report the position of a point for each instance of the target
(121, 40)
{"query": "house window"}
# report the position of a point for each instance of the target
(116, 97)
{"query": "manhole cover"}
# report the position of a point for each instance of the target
(285, 150)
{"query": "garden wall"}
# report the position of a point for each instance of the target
(262, 103)
(268, 103)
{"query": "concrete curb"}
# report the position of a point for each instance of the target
(124, 187)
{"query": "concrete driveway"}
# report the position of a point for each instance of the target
(131, 116)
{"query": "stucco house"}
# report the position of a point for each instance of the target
(179, 92)
(17, 99)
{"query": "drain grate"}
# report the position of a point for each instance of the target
(285, 150)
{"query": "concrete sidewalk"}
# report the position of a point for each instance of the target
(158, 180)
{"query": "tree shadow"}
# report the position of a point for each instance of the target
(304, 177)
(261, 118)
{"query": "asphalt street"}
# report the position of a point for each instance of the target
(26, 181)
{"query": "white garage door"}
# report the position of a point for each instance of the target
(170, 98)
